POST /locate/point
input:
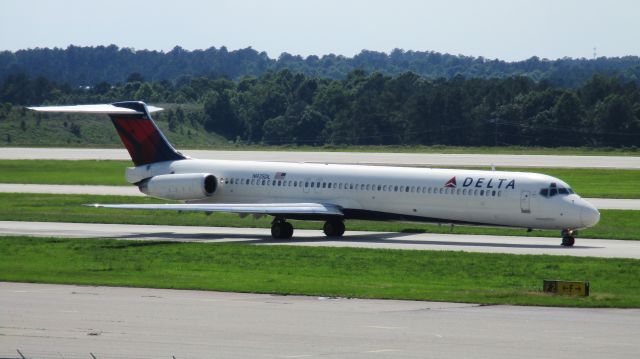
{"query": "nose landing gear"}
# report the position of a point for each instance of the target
(568, 237)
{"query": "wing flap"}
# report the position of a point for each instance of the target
(250, 208)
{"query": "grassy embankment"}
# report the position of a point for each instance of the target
(614, 224)
(587, 182)
(343, 272)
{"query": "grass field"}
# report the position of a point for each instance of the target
(613, 224)
(343, 272)
(586, 182)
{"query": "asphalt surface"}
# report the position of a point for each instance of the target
(584, 247)
(398, 159)
(61, 321)
(600, 203)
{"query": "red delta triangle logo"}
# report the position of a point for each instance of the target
(451, 183)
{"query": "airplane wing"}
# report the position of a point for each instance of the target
(250, 208)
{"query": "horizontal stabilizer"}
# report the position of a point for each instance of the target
(251, 208)
(108, 109)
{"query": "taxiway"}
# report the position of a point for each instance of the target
(64, 321)
(585, 247)
(385, 158)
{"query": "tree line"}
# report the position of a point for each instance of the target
(88, 66)
(284, 107)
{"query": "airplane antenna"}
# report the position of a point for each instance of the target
(595, 53)
(493, 167)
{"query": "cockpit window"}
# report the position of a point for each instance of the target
(554, 190)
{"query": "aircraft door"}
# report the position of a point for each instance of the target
(525, 202)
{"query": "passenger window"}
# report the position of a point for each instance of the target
(324, 184)
(279, 183)
(395, 189)
(368, 187)
(413, 189)
(329, 185)
(464, 191)
(306, 184)
(312, 184)
(499, 193)
(493, 193)
(482, 192)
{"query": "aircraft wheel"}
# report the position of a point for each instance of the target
(288, 230)
(568, 237)
(568, 241)
(281, 230)
(333, 228)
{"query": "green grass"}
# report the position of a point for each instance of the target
(614, 224)
(110, 173)
(587, 182)
(344, 272)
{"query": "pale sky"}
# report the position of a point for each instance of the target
(504, 29)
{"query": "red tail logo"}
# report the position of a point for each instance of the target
(451, 183)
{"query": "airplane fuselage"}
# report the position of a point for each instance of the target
(495, 198)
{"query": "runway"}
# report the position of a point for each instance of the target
(584, 247)
(398, 159)
(63, 321)
(600, 203)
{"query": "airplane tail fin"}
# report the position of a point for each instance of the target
(137, 130)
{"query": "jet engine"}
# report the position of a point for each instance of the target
(188, 186)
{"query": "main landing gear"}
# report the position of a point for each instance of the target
(281, 229)
(568, 237)
(333, 228)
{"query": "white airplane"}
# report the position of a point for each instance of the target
(334, 193)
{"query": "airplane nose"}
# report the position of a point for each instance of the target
(589, 215)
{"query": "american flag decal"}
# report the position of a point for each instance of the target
(280, 175)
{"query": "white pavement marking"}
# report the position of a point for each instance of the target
(118, 322)
(584, 247)
(600, 203)
(401, 159)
